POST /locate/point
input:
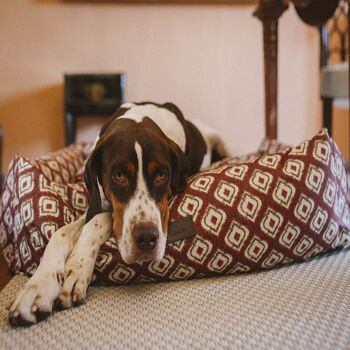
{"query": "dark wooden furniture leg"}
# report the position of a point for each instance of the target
(327, 113)
(268, 12)
(69, 128)
(1, 144)
(317, 13)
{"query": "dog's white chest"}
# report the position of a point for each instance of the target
(166, 120)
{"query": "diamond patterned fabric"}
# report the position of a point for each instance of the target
(250, 213)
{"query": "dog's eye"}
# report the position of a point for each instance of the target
(120, 178)
(161, 177)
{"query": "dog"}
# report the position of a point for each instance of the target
(144, 154)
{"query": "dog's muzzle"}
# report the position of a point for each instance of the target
(145, 236)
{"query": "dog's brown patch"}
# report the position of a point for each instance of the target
(164, 211)
(131, 168)
(151, 168)
(64, 294)
(117, 211)
(117, 214)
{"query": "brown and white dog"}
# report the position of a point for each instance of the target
(143, 155)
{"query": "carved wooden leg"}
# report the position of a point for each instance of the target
(69, 128)
(1, 174)
(327, 113)
(268, 12)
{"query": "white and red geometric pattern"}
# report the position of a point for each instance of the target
(182, 272)
(314, 178)
(261, 181)
(304, 208)
(199, 250)
(226, 192)
(39, 196)
(190, 206)
(256, 249)
(121, 274)
(289, 235)
(294, 168)
(273, 259)
(250, 213)
(283, 193)
(236, 236)
(270, 161)
(249, 206)
(213, 219)
(271, 222)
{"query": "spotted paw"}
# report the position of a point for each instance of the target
(77, 279)
(35, 301)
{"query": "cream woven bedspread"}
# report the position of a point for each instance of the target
(303, 306)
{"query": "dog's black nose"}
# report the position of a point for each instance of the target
(146, 236)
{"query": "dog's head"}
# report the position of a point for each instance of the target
(137, 168)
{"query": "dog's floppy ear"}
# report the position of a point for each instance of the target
(179, 168)
(92, 171)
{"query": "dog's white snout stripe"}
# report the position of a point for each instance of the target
(141, 208)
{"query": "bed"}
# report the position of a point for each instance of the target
(304, 305)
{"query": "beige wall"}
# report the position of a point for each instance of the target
(207, 59)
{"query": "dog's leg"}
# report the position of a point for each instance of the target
(35, 301)
(80, 264)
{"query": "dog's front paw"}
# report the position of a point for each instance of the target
(35, 301)
(78, 272)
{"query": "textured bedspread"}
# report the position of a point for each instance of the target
(302, 306)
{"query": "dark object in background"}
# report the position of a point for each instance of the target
(1, 174)
(90, 95)
(316, 12)
(334, 37)
(269, 12)
(333, 78)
